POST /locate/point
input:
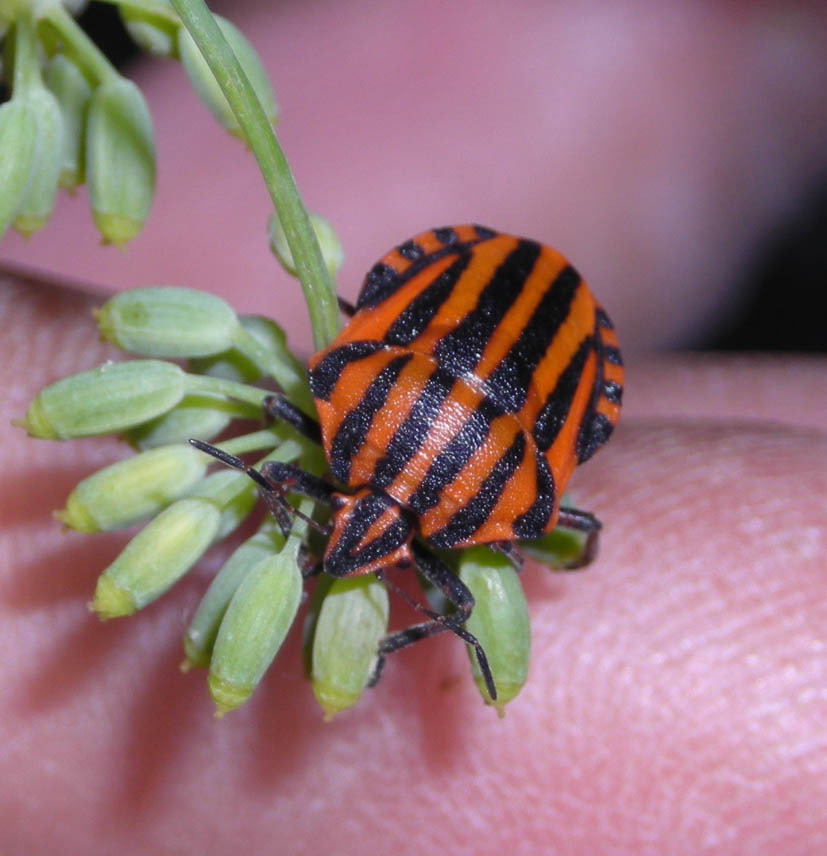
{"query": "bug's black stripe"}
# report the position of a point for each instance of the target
(603, 319)
(484, 233)
(613, 391)
(323, 378)
(446, 235)
(416, 316)
(391, 538)
(411, 434)
(612, 355)
(512, 376)
(454, 456)
(460, 350)
(382, 280)
(594, 431)
(532, 524)
(476, 511)
(554, 411)
(354, 427)
(410, 250)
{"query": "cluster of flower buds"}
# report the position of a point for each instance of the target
(72, 119)
(157, 405)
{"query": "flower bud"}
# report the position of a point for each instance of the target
(560, 549)
(499, 621)
(231, 491)
(133, 489)
(329, 244)
(206, 86)
(196, 415)
(153, 32)
(72, 90)
(18, 130)
(110, 398)
(168, 322)
(120, 160)
(203, 628)
(352, 620)
(157, 557)
(39, 199)
(253, 629)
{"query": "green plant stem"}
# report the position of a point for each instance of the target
(221, 386)
(26, 67)
(250, 442)
(78, 44)
(313, 275)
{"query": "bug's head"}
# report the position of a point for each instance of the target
(370, 532)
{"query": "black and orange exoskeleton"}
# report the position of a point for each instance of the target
(476, 372)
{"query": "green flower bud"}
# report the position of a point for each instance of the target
(133, 489)
(120, 160)
(72, 90)
(233, 492)
(157, 557)
(196, 415)
(352, 620)
(168, 322)
(200, 636)
(559, 549)
(253, 629)
(110, 398)
(499, 621)
(18, 130)
(39, 200)
(329, 244)
(155, 33)
(206, 86)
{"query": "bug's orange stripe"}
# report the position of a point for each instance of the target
(613, 372)
(374, 323)
(467, 483)
(455, 410)
(517, 497)
(379, 526)
(428, 241)
(558, 355)
(486, 257)
(545, 271)
(561, 455)
(390, 416)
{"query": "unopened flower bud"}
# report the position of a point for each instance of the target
(72, 90)
(499, 621)
(203, 628)
(133, 489)
(253, 629)
(39, 199)
(168, 322)
(329, 244)
(18, 129)
(110, 398)
(560, 549)
(120, 160)
(153, 32)
(352, 619)
(157, 557)
(206, 86)
(197, 415)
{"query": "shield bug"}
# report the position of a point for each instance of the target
(475, 373)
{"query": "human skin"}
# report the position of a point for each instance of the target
(676, 698)
(675, 702)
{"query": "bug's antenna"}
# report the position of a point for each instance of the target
(274, 492)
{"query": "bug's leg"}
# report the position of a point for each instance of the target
(507, 549)
(457, 592)
(582, 521)
(278, 407)
(346, 307)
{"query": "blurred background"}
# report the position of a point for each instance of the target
(675, 152)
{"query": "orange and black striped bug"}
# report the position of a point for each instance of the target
(476, 372)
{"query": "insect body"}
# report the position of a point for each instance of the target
(476, 372)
